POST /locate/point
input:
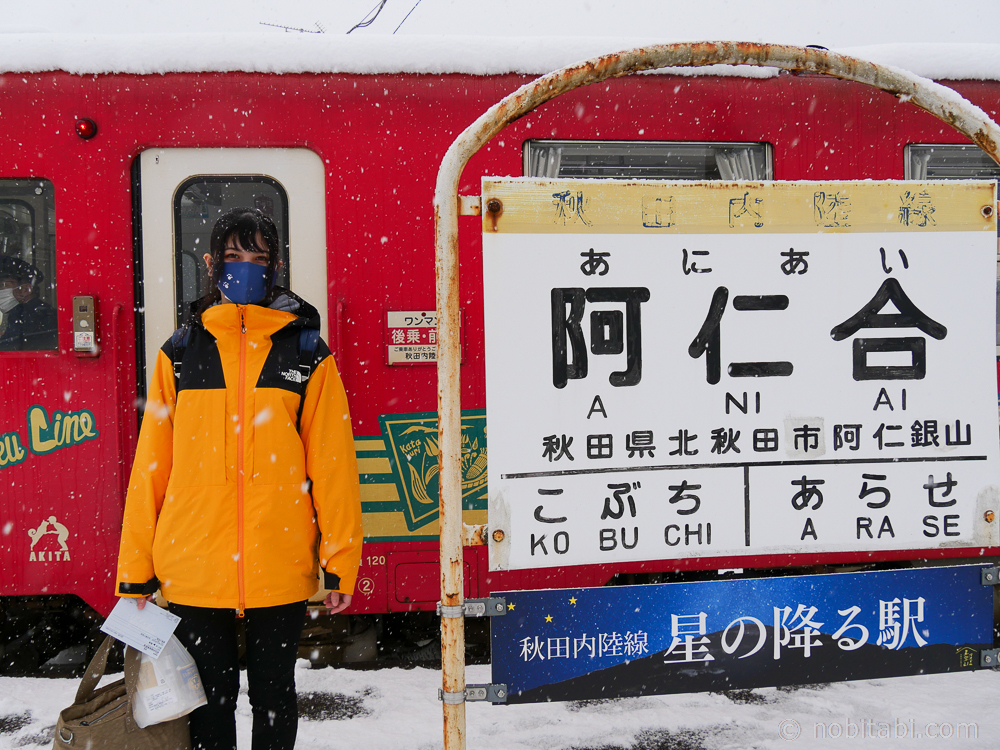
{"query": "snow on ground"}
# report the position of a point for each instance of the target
(397, 709)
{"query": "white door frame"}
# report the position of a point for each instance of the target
(162, 170)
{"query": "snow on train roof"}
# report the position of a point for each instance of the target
(369, 54)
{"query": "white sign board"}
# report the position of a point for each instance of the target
(739, 369)
(411, 337)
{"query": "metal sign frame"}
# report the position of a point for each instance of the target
(932, 97)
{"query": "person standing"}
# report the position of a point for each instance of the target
(27, 323)
(244, 470)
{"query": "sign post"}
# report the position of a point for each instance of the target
(932, 97)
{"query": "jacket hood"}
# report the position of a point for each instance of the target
(287, 301)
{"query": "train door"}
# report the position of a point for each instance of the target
(183, 191)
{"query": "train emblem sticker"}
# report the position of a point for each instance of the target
(48, 542)
(412, 444)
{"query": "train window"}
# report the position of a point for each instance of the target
(198, 203)
(949, 161)
(648, 160)
(28, 320)
(953, 161)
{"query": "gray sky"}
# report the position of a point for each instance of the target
(831, 23)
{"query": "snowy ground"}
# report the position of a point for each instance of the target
(397, 709)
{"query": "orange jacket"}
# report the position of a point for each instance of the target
(227, 502)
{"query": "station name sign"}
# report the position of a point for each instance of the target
(732, 634)
(723, 370)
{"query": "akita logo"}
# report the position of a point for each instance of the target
(47, 551)
(293, 376)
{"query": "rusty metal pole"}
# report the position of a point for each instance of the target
(450, 475)
(940, 101)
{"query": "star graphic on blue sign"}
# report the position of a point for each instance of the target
(572, 600)
(548, 618)
(510, 606)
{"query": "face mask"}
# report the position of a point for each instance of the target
(7, 300)
(244, 283)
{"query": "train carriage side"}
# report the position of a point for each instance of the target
(114, 223)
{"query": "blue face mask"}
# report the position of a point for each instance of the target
(244, 283)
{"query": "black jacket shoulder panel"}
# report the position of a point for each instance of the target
(168, 348)
(201, 365)
(322, 352)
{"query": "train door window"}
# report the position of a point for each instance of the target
(198, 204)
(648, 160)
(179, 193)
(954, 161)
(28, 320)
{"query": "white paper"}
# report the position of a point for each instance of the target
(159, 699)
(145, 630)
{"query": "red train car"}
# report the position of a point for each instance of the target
(109, 187)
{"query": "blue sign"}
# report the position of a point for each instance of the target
(617, 641)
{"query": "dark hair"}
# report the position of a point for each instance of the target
(243, 224)
(20, 271)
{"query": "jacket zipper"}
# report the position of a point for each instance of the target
(239, 463)
(105, 714)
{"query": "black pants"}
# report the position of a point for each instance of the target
(272, 640)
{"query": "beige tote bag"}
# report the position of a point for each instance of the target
(101, 719)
